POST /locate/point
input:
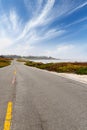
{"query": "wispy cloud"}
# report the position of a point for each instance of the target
(77, 21)
(13, 21)
(9, 29)
(78, 7)
(45, 17)
(41, 25)
(39, 20)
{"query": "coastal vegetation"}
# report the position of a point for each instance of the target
(76, 67)
(5, 62)
(21, 60)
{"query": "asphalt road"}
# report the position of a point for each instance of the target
(41, 100)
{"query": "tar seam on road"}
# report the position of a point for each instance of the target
(8, 118)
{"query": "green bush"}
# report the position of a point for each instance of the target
(79, 68)
(82, 70)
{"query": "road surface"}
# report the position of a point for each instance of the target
(40, 100)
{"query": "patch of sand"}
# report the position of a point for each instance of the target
(79, 78)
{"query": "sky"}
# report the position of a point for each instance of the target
(56, 28)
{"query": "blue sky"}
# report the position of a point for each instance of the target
(55, 28)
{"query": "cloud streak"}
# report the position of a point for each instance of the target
(41, 26)
(78, 7)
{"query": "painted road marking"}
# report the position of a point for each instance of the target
(8, 118)
(14, 77)
(15, 72)
(14, 80)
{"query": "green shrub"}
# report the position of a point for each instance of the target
(82, 70)
(79, 68)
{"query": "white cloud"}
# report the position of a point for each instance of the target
(64, 48)
(14, 20)
(60, 51)
(38, 20)
(45, 16)
(13, 32)
(78, 21)
(9, 29)
(5, 42)
(18, 50)
(78, 7)
(35, 37)
(67, 51)
(53, 33)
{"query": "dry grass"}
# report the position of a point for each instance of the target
(77, 67)
(21, 60)
(5, 62)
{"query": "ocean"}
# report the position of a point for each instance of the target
(57, 61)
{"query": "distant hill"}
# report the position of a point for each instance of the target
(30, 57)
(10, 56)
(39, 58)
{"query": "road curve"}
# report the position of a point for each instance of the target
(41, 100)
